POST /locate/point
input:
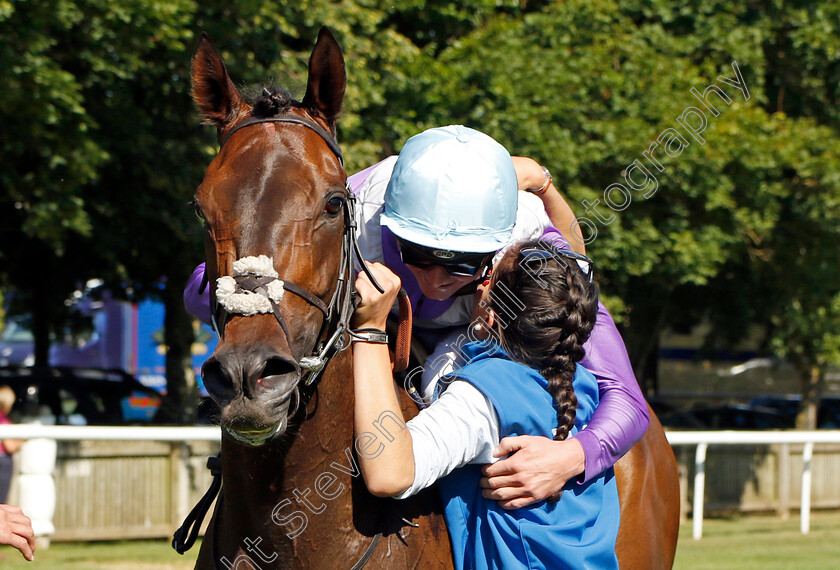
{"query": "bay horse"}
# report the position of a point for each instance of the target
(279, 230)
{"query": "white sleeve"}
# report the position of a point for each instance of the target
(460, 427)
(531, 221)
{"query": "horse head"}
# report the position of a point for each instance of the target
(275, 206)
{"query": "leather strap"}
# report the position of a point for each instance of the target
(186, 534)
(368, 553)
(402, 348)
(321, 131)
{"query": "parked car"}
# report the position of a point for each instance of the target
(81, 396)
(739, 416)
(671, 416)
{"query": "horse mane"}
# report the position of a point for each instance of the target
(273, 101)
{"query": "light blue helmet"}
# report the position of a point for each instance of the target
(452, 188)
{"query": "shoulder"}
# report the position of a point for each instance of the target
(369, 185)
(518, 393)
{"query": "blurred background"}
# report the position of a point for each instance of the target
(724, 281)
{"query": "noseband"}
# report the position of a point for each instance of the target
(343, 302)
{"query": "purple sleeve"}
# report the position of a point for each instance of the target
(356, 180)
(621, 417)
(197, 304)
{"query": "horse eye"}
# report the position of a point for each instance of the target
(334, 205)
(198, 213)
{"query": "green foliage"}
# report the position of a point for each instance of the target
(102, 148)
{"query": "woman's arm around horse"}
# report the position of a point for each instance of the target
(389, 468)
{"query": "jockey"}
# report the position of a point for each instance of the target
(438, 216)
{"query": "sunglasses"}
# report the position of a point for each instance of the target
(539, 255)
(455, 263)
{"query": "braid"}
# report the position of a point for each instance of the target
(560, 310)
(576, 319)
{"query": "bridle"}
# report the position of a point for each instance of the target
(339, 310)
(343, 302)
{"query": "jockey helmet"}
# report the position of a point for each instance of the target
(453, 189)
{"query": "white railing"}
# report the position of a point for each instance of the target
(37, 460)
(109, 433)
(703, 439)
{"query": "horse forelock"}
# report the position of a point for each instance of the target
(272, 101)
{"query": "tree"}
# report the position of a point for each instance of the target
(587, 87)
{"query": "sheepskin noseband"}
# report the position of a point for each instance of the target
(236, 300)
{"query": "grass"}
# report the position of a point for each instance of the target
(736, 543)
(118, 555)
(761, 542)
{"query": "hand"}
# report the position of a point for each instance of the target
(539, 468)
(373, 310)
(16, 530)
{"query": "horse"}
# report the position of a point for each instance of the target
(279, 238)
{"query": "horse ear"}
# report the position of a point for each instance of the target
(327, 78)
(214, 93)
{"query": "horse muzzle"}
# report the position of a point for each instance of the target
(254, 391)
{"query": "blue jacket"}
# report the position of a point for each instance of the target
(578, 531)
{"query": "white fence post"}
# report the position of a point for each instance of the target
(699, 489)
(702, 439)
(805, 502)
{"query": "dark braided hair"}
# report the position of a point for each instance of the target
(560, 306)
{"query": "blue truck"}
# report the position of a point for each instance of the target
(121, 335)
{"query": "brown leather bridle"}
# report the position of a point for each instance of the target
(343, 302)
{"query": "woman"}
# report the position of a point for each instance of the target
(7, 446)
(527, 384)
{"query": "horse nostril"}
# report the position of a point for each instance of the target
(219, 384)
(278, 373)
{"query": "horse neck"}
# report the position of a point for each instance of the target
(282, 475)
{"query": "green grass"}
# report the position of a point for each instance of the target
(765, 543)
(737, 543)
(122, 555)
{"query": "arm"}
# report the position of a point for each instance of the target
(12, 445)
(530, 176)
(389, 469)
(16, 530)
(621, 418)
(458, 428)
